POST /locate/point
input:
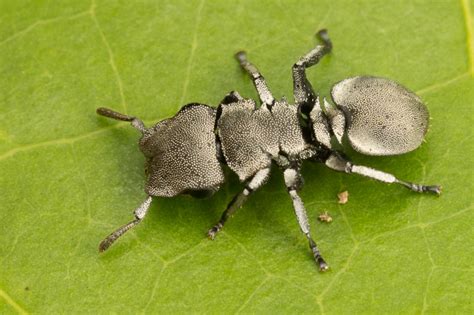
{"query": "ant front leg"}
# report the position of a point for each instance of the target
(302, 89)
(337, 162)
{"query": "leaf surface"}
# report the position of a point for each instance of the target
(68, 177)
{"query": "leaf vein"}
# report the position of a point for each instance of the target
(186, 252)
(42, 22)
(191, 55)
(60, 141)
(445, 218)
(155, 287)
(339, 274)
(12, 303)
(111, 56)
(425, 294)
(443, 84)
(242, 246)
(469, 34)
(251, 295)
(84, 182)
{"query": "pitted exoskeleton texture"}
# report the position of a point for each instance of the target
(245, 148)
(181, 153)
(382, 117)
(252, 137)
(287, 125)
(320, 125)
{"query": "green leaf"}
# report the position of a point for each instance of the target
(68, 177)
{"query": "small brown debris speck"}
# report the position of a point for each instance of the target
(325, 217)
(343, 197)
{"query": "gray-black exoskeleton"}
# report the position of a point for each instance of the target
(185, 154)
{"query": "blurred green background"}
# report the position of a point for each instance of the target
(68, 177)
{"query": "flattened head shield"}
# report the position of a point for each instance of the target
(383, 117)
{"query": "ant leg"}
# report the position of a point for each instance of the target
(256, 182)
(302, 89)
(139, 213)
(258, 80)
(137, 123)
(336, 162)
(293, 182)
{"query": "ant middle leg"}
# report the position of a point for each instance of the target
(256, 182)
(258, 80)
